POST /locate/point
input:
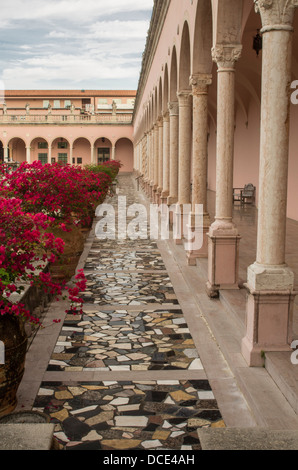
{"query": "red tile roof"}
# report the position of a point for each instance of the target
(68, 93)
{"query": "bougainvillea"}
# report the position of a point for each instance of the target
(25, 250)
(63, 192)
(34, 199)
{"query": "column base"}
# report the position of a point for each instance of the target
(269, 321)
(223, 260)
(171, 200)
(179, 224)
(164, 197)
(158, 196)
(200, 238)
(152, 192)
(202, 252)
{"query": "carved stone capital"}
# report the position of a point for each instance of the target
(184, 98)
(166, 116)
(199, 83)
(173, 108)
(159, 121)
(225, 55)
(276, 14)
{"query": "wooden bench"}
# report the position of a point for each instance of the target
(245, 195)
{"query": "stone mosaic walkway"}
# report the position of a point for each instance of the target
(132, 322)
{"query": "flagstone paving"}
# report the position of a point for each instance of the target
(131, 322)
(162, 414)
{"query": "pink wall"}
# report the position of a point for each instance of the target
(92, 135)
(124, 153)
(81, 149)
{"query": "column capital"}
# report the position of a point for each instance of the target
(225, 55)
(184, 97)
(276, 14)
(199, 83)
(173, 108)
(159, 121)
(166, 116)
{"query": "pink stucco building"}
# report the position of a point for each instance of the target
(217, 109)
(77, 126)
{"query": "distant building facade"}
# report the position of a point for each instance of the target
(70, 126)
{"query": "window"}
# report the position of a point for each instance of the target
(79, 160)
(103, 155)
(62, 158)
(67, 104)
(46, 104)
(43, 158)
(56, 104)
(42, 145)
(85, 102)
(62, 145)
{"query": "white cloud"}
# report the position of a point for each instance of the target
(69, 10)
(74, 41)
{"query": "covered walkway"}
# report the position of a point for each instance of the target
(153, 360)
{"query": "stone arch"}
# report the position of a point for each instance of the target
(159, 104)
(81, 151)
(103, 150)
(173, 76)
(17, 149)
(184, 59)
(155, 104)
(39, 149)
(165, 89)
(1, 152)
(227, 22)
(202, 42)
(124, 154)
(60, 150)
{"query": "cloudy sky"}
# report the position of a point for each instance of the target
(72, 44)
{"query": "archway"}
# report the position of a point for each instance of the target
(60, 150)
(103, 150)
(81, 152)
(173, 76)
(124, 153)
(39, 150)
(184, 60)
(1, 152)
(17, 150)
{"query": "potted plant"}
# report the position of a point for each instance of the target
(25, 250)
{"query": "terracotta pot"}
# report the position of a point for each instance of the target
(65, 266)
(12, 333)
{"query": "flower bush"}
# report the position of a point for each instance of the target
(63, 192)
(34, 199)
(25, 248)
(110, 167)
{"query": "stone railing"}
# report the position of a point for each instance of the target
(125, 118)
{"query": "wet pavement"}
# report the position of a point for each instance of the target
(132, 324)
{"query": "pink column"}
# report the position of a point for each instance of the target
(166, 158)
(184, 151)
(270, 282)
(223, 243)
(174, 137)
(160, 160)
(200, 84)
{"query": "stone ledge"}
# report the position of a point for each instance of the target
(26, 436)
(247, 439)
